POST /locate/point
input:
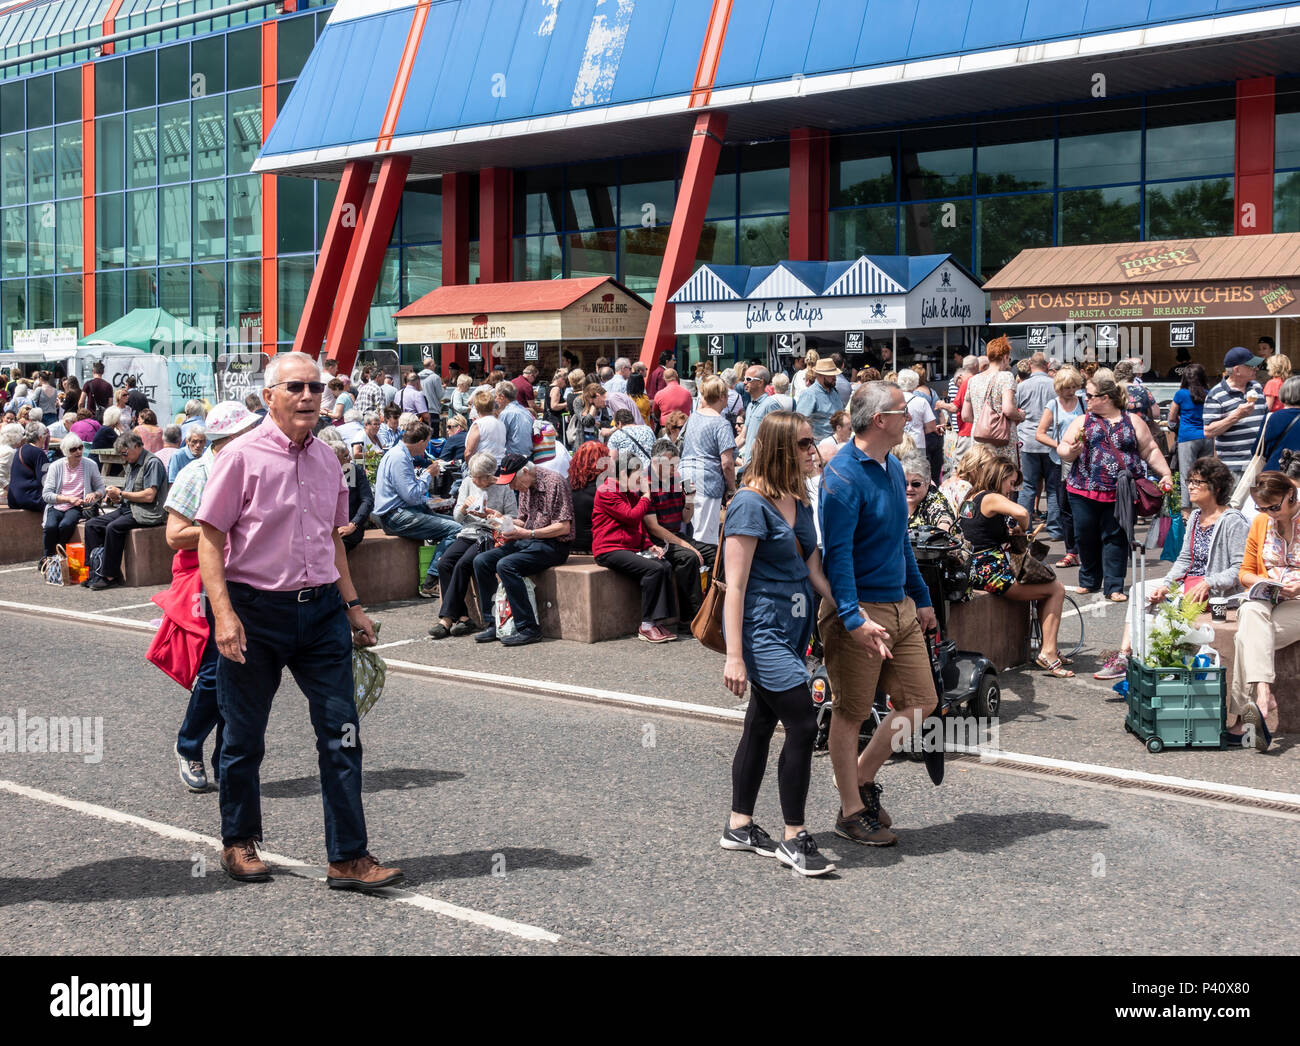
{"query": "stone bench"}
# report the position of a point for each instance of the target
(384, 568)
(20, 536)
(995, 627)
(1286, 666)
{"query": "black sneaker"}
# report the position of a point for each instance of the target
(462, 628)
(870, 793)
(748, 837)
(860, 828)
(487, 635)
(801, 854)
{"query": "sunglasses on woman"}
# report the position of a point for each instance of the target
(915, 484)
(1280, 505)
(807, 443)
(294, 388)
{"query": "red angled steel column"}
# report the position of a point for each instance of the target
(809, 194)
(684, 234)
(1254, 166)
(455, 249)
(494, 224)
(364, 262)
(344, 219)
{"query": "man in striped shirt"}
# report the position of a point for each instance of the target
(1235, 411)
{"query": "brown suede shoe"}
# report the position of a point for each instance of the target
(243, 864)
(364, 874)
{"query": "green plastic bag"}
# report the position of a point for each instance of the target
(369, 673)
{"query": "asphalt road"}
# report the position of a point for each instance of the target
(598, 825)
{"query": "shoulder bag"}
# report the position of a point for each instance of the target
(1256, 466)
(991, 425)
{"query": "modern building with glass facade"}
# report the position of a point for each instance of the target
(190, 155)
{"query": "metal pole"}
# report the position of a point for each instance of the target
(1277, 333)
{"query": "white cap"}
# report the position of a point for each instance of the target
(229, 418)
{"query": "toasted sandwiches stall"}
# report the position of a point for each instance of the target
(920, 304)
(514, 324)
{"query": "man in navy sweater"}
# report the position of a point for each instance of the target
(875, 632)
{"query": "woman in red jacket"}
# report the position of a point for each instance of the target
(620, 542)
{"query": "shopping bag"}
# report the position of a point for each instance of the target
(55, 568)
(1174, 541)
(369, 673)
(503, 617)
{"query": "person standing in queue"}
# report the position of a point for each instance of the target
(874, 629)
(276, 577)
(772, 568)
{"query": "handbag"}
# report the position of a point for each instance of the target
(1147, 497)
(1028, 561)
(1256, 465)
(991, 425)
(55, 568)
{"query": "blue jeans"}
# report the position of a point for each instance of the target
(512, 562)
(202, 714)
(314, 641)
(422, 525)
(1034, 467)
(1103, 548)
(60, 528)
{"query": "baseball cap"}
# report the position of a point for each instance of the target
(229, 419)
(1239, 357)
(510, 464)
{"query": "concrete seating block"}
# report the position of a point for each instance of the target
(1286, 667)
(20, 536)
(996, 627)
(147, 559)
(384, 568)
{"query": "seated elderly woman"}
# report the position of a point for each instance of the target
(926, 507)
(481, 503)
(27, 469)
(1270, 618)
(588, 468)
(620, 542)
(11, 438)
(989, 517)
(1208, 565)
(72, 483)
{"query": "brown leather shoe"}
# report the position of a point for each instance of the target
(243, 864)
(364, 874)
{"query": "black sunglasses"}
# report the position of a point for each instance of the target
(807, 443)
(295, 388)
(1279, 505)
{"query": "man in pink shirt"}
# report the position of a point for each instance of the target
(276, 577)
(671, 397)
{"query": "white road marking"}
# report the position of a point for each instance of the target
(167, 831)
(15, 570)
(1097, 608)
(616, 698)
(400, 642)
(133, 606)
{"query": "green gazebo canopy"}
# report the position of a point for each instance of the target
(150, 330)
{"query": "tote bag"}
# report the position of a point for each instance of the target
(991, 425)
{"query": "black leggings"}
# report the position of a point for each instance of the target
(794, 709)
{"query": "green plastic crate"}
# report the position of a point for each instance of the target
(426, 557)
(1177, 707)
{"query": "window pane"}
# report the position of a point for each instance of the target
(140, 86)
(174, 225)
(591, 196)
(386, 301)
(142, 133)
(938, 228)
(40, 165)
(209, 220)
(141, 289)
(863, 230)
(210, 297)
(764, 241)
(765, 179)
(67, 102)
(173, 73)
(538, 201)
(13, 308)
(244, 58)
(174, 141)
(936, 162)
(722, 197)
(40, 302)
(862, 170)
(421, 271)
(67, 236)
(1100, 215)
(209, 137)
(110, 235)
(13, 168)
(13, 230)
(421, 212)
(293, 278)
(1176, 210)
(538, 258)
(12, 106)
(641, 253)
(174, 291)
(40, 239)
(245, 130)
(593, 254)
(68, 159)
(246, 300)
(295, 38)
(208, 75)
(108, 87)
(295, 208)
(649, 191)
(1008, 225)
(142, 228)
(40, 101)
(1015, 155)
(717, 243)
(109, 288)
(67, 300)
(1190, 133)
(1099, 145)
(1286, 203)
(245, 213)
(325, 193)
(109, 154)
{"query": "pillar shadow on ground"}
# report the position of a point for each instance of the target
(117, 879)
(472, 864)
(395, 780)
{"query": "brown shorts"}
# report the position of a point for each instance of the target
(856, 672)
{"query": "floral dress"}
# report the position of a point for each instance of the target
(990, 567)
(933, 511)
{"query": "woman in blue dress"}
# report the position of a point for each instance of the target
(772, 569)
